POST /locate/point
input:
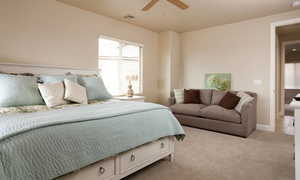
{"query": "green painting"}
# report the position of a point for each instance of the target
(219, 81)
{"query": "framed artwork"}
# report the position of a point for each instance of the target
(218, 81)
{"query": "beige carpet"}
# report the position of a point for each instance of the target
(206, 155)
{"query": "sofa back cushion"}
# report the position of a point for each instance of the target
(205, 96)
(192, 96)
(217, 96)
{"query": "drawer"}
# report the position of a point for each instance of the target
(140, 155)
(164, 145)
(103, 170)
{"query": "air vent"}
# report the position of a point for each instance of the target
(129, 17)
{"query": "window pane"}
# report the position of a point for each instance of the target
(109, 47)
(110, 75)
(129, 68)
(118, 61)
(130, 51)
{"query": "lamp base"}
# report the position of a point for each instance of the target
(130, 92)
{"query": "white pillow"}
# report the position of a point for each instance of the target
(53, 94)
(179, 95)
(74, 92)
(245, 98)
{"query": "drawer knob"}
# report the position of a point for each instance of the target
(132, 157)
(162, 145)
(101, 170)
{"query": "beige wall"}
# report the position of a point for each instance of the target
(164, 70)
(51, 33)
(170, 64)
(242, 49)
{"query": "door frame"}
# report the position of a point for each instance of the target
(274, 58)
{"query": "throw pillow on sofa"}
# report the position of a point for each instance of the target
(229, 101)
(245, 98)
(192, 96)
(217, 96)
(179, 96)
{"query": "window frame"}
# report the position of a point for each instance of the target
(124, 58)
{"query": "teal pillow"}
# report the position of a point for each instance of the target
(19, 91)
(95, 88)
(56, 78)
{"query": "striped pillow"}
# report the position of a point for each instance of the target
(179, 95)
(245, 98)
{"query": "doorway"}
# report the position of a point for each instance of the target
(290, 84)
(286, 71)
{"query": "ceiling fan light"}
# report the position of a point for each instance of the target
(296, 3)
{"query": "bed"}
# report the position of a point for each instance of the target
(103, 140)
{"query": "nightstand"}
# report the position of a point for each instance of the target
(134, 98)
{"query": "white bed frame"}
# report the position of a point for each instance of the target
(126, 163)
(118, 166)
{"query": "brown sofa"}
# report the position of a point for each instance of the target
(209, 115)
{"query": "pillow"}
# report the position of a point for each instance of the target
(192, 96)
(95, 88)
(229, 101)
(53, 94)
(56, 78)
(179, 95)
(74, 92)
(245, 98)
(217, 96)
(19, 91)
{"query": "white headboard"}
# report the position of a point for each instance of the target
(43, 69)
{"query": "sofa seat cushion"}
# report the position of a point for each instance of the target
(187, 109)
(219, 113)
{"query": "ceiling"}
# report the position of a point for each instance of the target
(201, 13)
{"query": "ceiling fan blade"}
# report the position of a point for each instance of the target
(150, 5)
(179, 4)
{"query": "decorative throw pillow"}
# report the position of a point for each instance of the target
(53, 94)
(229, 101)
(45, 79)
(19, 91)
(245, 98)
(95, 88)
(74, 92)
(217, 96)
(192, 96)
(179, 95)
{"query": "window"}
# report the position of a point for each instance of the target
(120, 61)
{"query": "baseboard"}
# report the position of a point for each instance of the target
(264, 127)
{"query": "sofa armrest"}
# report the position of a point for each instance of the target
(249, 116)
(172, 101)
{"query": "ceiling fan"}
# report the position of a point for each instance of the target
(177, 3)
